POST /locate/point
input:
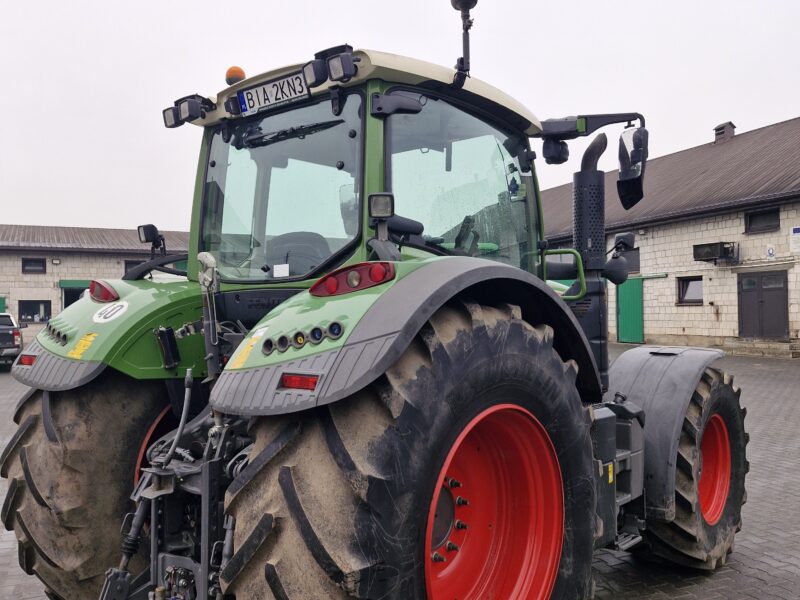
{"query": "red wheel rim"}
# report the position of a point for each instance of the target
(155, 426)
(496, 520)
(715, 477)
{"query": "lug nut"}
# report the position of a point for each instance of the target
(462, 501)
(461, 525)
(452, 547)
(438, 557)
(455, 483)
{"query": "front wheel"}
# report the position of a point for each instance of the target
(465, 472)
(711, 465)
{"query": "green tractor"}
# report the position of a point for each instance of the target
(364, 386)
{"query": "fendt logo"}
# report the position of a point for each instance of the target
(110, 312)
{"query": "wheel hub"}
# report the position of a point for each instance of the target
(495, 524)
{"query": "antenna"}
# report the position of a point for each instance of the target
(462, 65)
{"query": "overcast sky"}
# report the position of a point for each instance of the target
(82, 84)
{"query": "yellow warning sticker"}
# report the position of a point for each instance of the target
(82, 345)
(611, 473)
(245, 349)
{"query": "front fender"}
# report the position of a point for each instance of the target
(379, 325)
(660, 380)
(89, 336)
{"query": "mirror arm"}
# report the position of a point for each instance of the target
(570, 128)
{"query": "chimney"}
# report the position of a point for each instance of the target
(723, 132)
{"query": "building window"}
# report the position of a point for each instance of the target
(34, 265)
(690, 290)
(72, 295)
(129, 264)
(764, 220)
(632, 258)
(34, 311)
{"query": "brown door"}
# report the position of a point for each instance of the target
(764, 305)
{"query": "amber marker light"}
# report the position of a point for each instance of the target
(234, 74)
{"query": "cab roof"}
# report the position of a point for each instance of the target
(404, 70)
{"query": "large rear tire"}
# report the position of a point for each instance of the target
(347, 501)
(70, 469)
(709, 480)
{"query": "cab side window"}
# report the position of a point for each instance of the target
(459, 176)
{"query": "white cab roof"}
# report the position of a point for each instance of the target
(392, 68)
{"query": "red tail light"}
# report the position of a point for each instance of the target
(17, 337)
(353, 278)
(101, 291)
(27, 360)
(299, 382)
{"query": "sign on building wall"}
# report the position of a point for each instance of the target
(794, 240)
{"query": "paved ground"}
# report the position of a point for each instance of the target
(765, 564)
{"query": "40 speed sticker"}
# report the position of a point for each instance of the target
(110, 312)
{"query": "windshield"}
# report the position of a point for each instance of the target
(460, 177)
(5, 321)
(281, 194)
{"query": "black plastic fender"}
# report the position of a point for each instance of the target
(385, 331)
(660, 380)
(54, 373)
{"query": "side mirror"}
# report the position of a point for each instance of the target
(348, 208)
(632, 162)
(22, 326)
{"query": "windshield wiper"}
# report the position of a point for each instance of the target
(256, 139)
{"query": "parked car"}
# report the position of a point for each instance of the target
(10, 340)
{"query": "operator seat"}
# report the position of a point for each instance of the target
(301, 250)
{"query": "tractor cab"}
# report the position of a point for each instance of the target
(290, 156)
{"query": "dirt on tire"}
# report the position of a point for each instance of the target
(70, 469)
(333, 503)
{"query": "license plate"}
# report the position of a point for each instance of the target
(273, 94)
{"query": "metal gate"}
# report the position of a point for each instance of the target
(630, 311)
(764, 305)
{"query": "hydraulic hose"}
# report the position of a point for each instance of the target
(187, 397)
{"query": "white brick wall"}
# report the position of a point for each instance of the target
(16, 285)
(668, 249)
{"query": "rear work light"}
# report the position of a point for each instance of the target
(353, 278)
(27, 360)
(101, 291)
(299, 382)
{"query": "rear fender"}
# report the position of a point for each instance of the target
(387, 325)
(660, 380)
(88, 336)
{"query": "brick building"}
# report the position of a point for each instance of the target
(45, 269)
(718, 244)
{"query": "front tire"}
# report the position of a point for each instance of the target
(70, 468)
(341, 502)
